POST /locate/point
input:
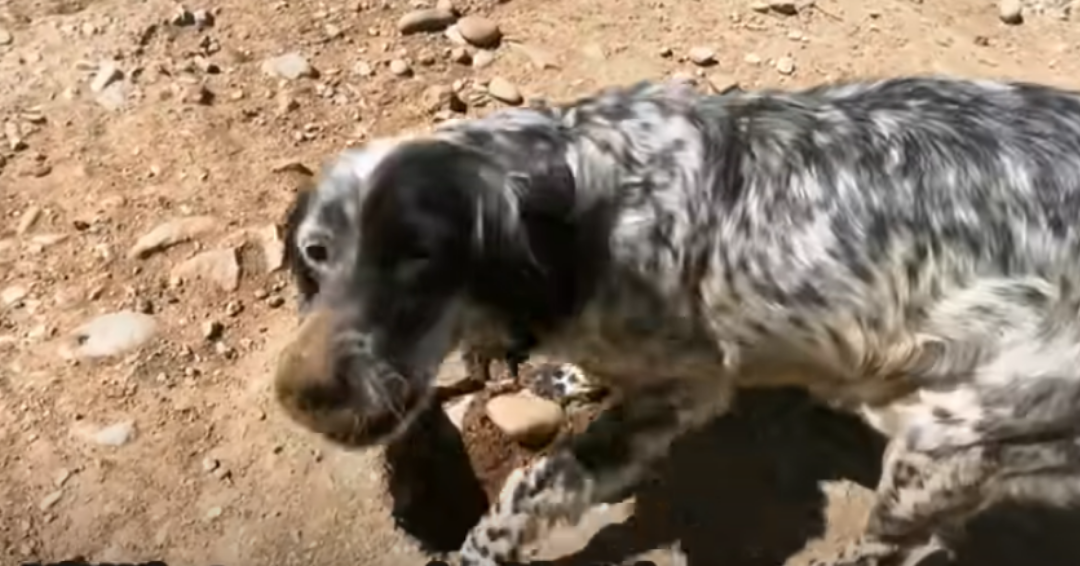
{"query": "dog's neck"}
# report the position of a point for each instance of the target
(536, 289)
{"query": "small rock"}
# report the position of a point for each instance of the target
(760, 6)
(400, 67)
(272, 246)
(13, 133)
(439, 97)
(503, 90)
(12, 295)
(202, 18)
(209, 464)
(479, 31)
(213, 513)
(62, 477)
(290, 165)
(666, 52)
(51, 499)
(785, 65)
(332, 31)
(525, 418)
(117, 434)
(290, 66)
(483, 58)
(460, 55)
(363, 69)
(197, 94)
(425, 21)
(171, 233)
(702, 56)
(233, 308)
(113, 97)
(752, 59)
(454, 35)
(456, 409)
(107, 73)
(275, 302)
(785, 7)
(112, 334)
(219, 267)
(722, 84)
(1011, 12)
(5, 37)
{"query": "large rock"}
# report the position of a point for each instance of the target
(112, 334)
(527, 419)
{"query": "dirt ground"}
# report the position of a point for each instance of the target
(121, 116)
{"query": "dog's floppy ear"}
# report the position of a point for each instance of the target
(456, 195)
(302, 274)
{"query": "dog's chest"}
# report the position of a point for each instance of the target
(631, 334)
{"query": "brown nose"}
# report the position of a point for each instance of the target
(304, 383)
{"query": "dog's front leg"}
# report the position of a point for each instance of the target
(592, 468)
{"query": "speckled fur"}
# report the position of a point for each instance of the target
(906, 249)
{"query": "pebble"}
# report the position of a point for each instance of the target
(482, 58)
(460, 55)
(13, 133)
(213, 513)
(363, 69)
(12, 295)
(209, 464)
(722, 84)
(504, 91)
(425, 21)
(400, 67)
(171, 233)
(5, 37)
(785, 7)
(702, 56)
(273, 247)
(219, 267)
(760, 6)
(290, 66)
(107, 73)
(113, 97)
(479, 31)
(525, 418)
(785, 65)
(1011, 12)
(51, 499)
(113, 333)
(456, 409)
(117, 434)
(454, 35)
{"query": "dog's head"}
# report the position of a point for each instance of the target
(399, 244)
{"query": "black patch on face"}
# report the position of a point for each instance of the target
(305, 278)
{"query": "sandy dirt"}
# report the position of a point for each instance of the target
(120, 117)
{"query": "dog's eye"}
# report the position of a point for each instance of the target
(317, 253)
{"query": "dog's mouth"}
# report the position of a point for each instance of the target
(343, 392)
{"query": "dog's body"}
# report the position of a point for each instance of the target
(907, 249)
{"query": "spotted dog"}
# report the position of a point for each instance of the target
(907, 249)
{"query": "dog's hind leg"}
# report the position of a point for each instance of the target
(920, 495)
(600, 464)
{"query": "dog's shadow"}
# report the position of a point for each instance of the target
(744, 491)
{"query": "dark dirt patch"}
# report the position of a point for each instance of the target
(494, 456)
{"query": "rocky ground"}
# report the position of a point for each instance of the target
(148, 153)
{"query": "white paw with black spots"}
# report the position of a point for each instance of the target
(561, 382)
